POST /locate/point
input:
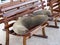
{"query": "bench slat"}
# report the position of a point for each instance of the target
(19, 5)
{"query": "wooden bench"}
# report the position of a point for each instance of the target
(28, 34)
(55, 7)
(8, 8)
(12, 17)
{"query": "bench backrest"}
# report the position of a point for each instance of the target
(17, 5)
(14, 15)
(12, 11)
(54, 5)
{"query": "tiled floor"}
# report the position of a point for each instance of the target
(52, 33)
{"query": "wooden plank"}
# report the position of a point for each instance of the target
(22, 4)
(20, 10)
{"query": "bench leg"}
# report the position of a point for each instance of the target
(54, 26)
(7, 37)
(43, 34)
(24, 40)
